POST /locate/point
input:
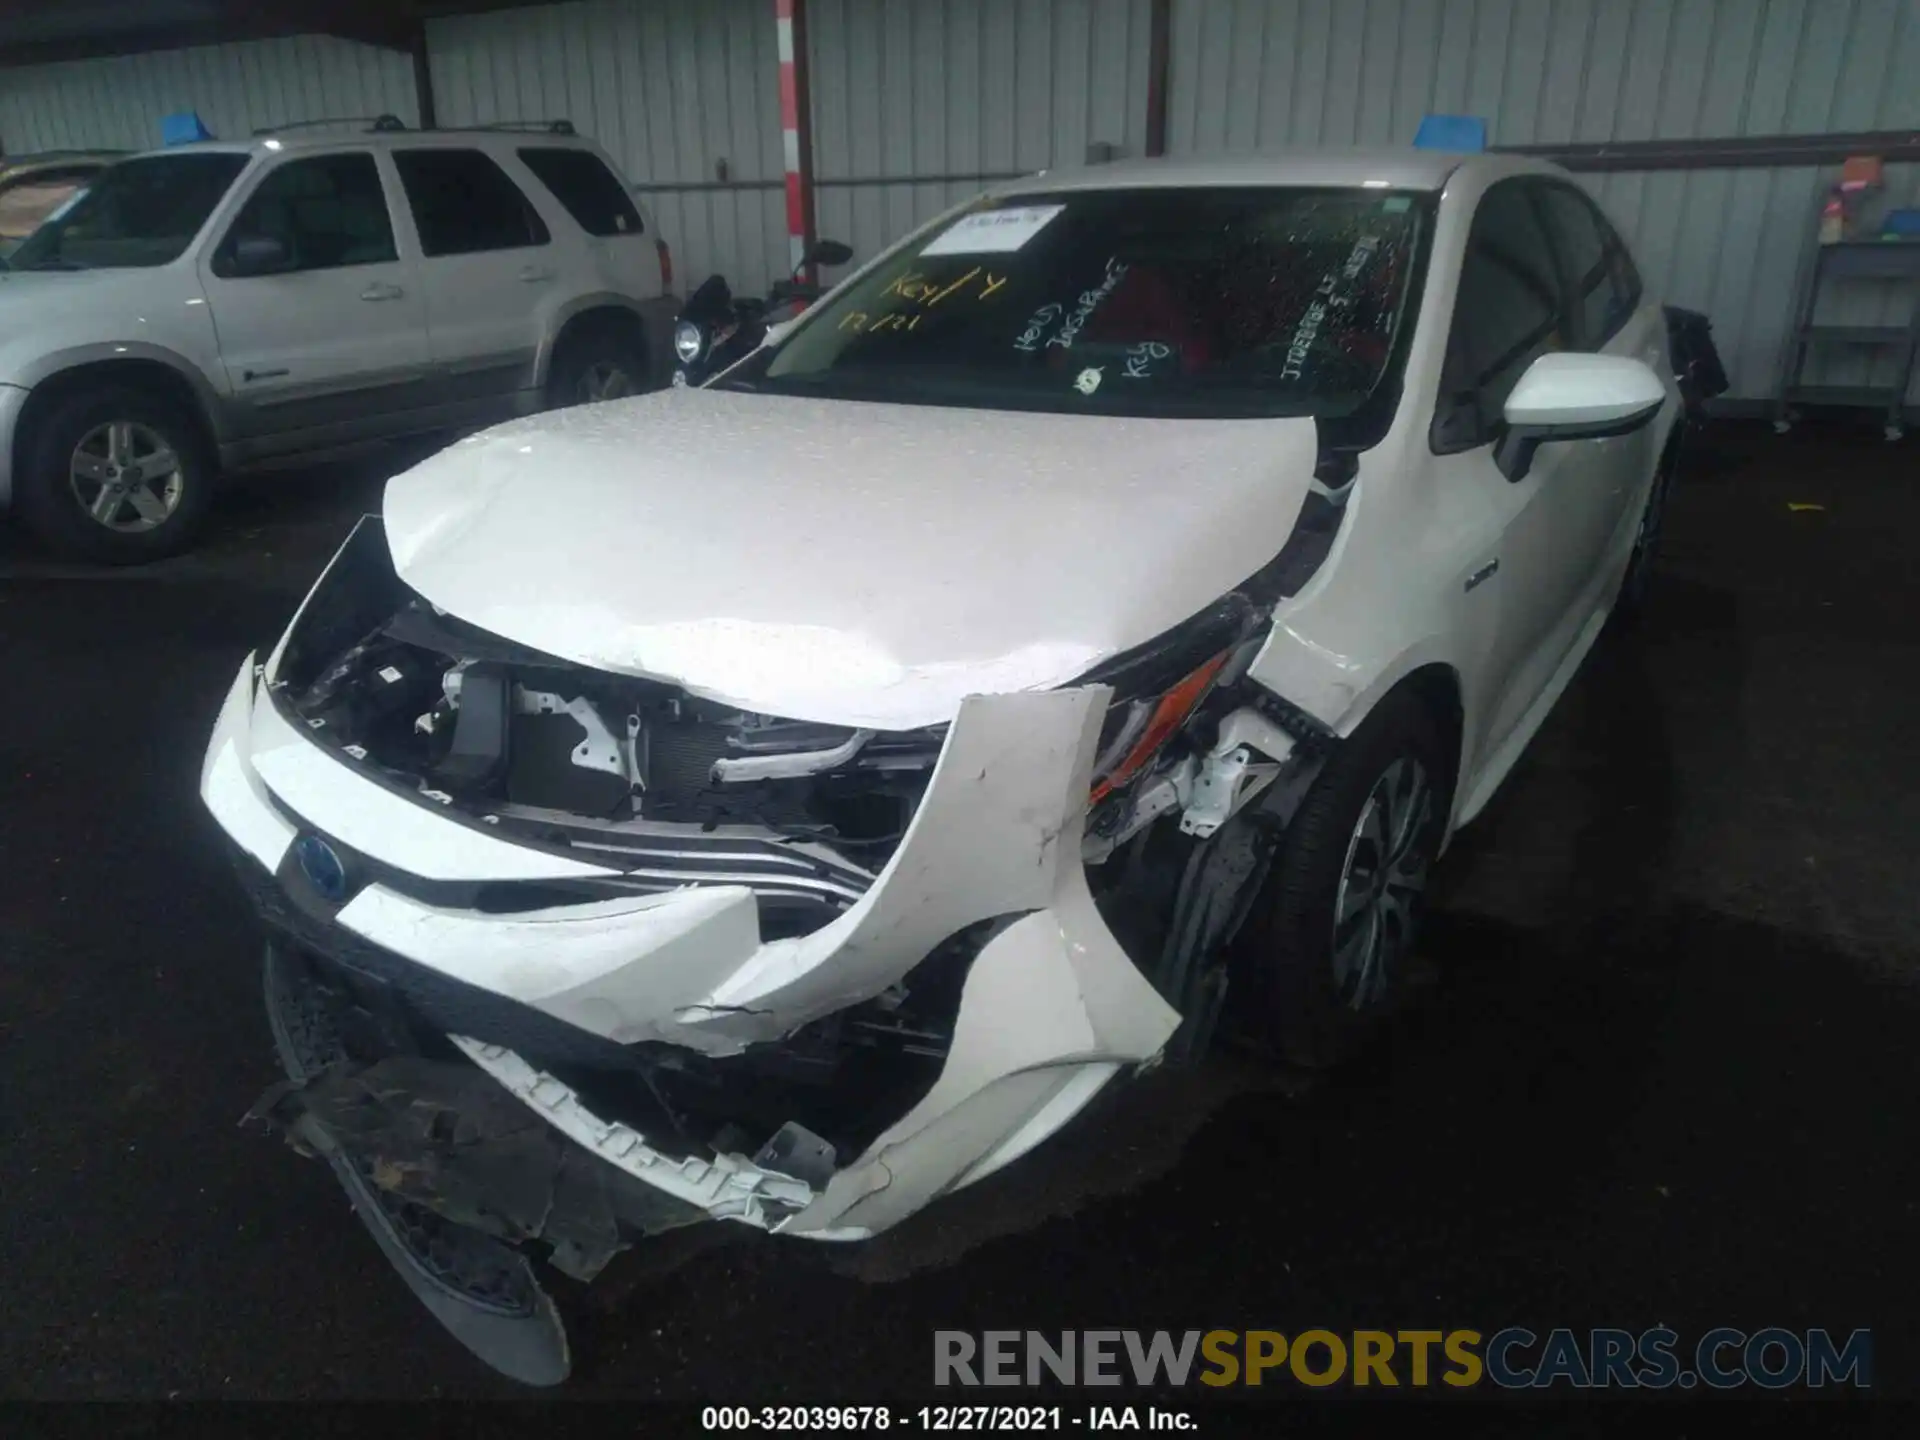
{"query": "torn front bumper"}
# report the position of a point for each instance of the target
(1051, 1007)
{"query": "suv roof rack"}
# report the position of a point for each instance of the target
(548, 127)
(378, 124)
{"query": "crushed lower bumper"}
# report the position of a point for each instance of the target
(483, 1291)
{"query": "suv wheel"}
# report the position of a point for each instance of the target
(115, 475)
(1343, 902)
(601, 364)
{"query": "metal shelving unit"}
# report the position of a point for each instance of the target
(1851, 260)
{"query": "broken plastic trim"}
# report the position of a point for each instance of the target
(793, 765)
(1169, 713)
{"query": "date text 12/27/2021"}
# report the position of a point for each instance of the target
(775, 1419)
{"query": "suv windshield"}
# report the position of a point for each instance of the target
(1191, 302)
(137, 213)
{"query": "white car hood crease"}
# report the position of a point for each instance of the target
(843, 562)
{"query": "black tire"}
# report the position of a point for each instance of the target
(1320, 1018)
(595, 350)
(54, 510)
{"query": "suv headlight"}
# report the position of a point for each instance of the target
(688, 341)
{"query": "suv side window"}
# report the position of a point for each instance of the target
(327, 211)
(463, 203)
(1603, 287)
(1509, 311)
(592, 194)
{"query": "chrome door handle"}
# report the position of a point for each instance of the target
(533, 274)
(382, 291)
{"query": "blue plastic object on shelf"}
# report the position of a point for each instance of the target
(1902, 224)
(183, 128)
(1451, 132)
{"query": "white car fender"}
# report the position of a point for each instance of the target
(1360, 626)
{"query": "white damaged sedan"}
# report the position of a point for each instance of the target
(789, 801)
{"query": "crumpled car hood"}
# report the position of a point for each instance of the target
(843, 562)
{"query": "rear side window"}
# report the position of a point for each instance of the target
(1603, 287)
(591, 193)
(463, 203)
(1508, 312)
(327, 212)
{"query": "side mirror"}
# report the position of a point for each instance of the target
(829, 253)
(713, 297)
(259, 255)
(1564, 396)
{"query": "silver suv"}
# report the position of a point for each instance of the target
(220, 304)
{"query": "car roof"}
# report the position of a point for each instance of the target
(1382, 167)
(357, 133)
(41, 159)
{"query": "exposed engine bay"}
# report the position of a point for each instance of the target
(556, 753)
(677, 792)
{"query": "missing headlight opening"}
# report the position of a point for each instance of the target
(556, 754)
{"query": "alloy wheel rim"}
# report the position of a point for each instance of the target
(1381, 883)
(605, 380)
(126, 477)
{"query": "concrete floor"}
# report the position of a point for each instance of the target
(1669, 1075)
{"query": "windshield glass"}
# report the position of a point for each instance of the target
(1215, 302)
(24, 206)
(137, 213)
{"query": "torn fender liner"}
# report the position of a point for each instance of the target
(444, 1136)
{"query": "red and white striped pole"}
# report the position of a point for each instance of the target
(796, 130)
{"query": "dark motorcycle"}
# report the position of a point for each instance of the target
(716, 328)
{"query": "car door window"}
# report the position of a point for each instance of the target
(326, 212)
(591, 193)
(463, 203)
(1508, 312)
(1603, 286)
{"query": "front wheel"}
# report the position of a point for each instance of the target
(599, 365)
(1344, 898)
(116, 475)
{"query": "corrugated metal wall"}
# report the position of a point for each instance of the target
(954, 91)
(1252, 74)
(116, 102)
(917, 102)
(943, 90)
(670, 89)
